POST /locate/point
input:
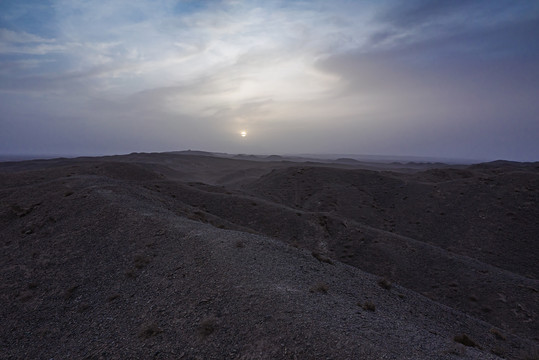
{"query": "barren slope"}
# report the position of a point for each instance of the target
(158, 256)
(467, 238)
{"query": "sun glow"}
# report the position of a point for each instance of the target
(243, 133)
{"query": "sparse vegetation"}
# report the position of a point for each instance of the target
(43, 332)
(141, 261)
(498, 351)
(385, 283)
(457, 349)
(69, 292)
(497, 334)
(465, 340)
(207, 327)
(25, 295)
(148, 330)
(368, 305)
(19, 211)
(240, 244)
(320, 287)
(83, 307)
(113, 297)
(322, 258)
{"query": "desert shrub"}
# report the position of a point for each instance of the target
(83, 307)
(206, 327)
(321, 258)
(240, 244)
(369, 306)
(19, 211)
(498, 351)
(497, 334)
(69, 292)
(320, 287)
(141, 261)
(113, 297)
(44, 332)
(385, 283)
(148, 330)
(457, 349)
(465, 340)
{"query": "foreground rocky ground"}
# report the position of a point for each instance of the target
(192, 256)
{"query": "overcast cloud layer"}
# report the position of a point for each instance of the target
(457, 79)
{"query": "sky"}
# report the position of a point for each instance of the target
(448, 79)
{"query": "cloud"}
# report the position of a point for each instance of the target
(417, 12)
(170, 72)
(476, 23)
(10, 36)
(20, 42)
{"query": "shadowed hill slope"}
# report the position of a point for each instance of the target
(171, 255)
(466, 238)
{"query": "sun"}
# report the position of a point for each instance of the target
(243, 133)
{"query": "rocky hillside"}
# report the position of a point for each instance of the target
(193, 256)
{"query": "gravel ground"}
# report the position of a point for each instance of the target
(96, 265)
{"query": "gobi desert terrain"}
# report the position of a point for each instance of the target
(192, 255)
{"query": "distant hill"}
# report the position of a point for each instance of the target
(192, 152)
(274, 158)
(347, 161)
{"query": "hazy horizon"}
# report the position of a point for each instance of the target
(287, 156)
(453, 80)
